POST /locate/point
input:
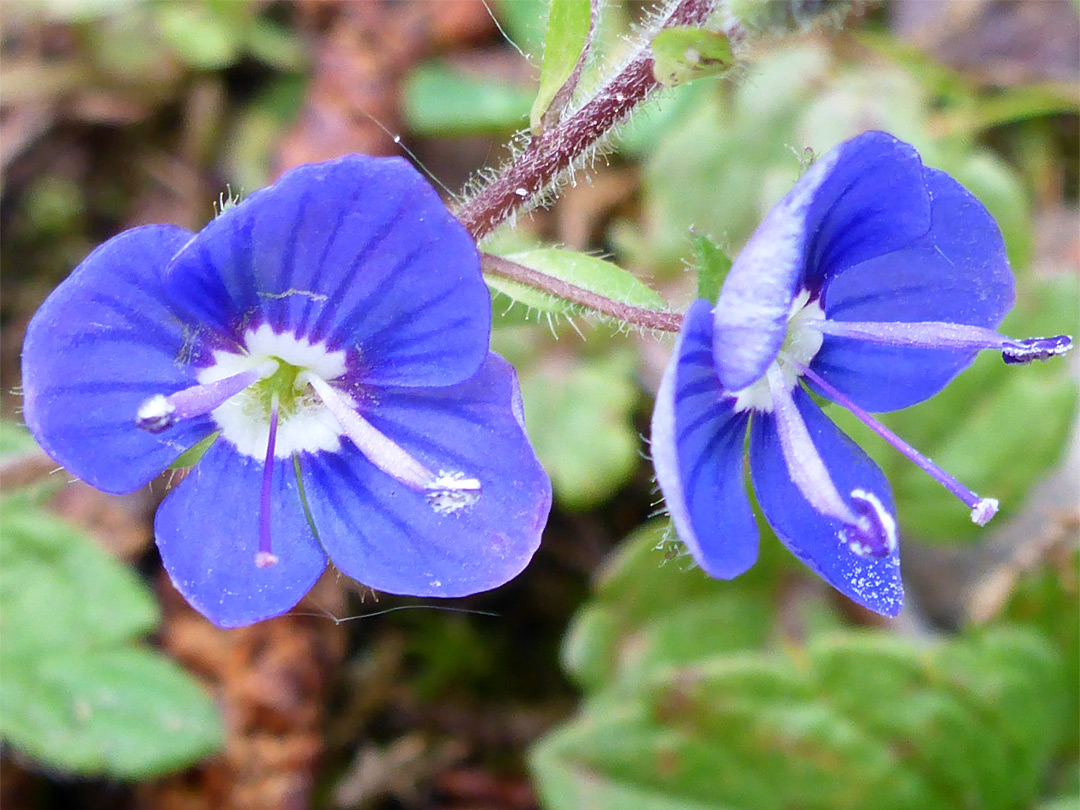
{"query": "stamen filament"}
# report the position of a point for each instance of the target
(265, 558)
(161, 412)
(377, 448)
(943, 335)
(804, 463)
(982, 509)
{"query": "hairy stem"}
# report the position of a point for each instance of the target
(645, 318)
(522, 182)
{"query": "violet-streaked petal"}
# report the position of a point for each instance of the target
(957, 273)
(102, 344)
(697, 451)
(816, 540)
(358, 252)
(751, 314)
(208, 534)
(396, 539)
(874, 201)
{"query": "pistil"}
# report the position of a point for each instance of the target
(982, 509)
(942, 335)
(266, 557)
(161, 412)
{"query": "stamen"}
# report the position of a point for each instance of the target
(982, 509)
(452, 492)
(379, 450)
(162, 412)
(265, 558)
(447, 492)
(807, 470)
(1042, 348)
(941, 335)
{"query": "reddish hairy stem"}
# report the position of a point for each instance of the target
(646, 318)
(555, 150)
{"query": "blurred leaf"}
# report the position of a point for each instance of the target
(649, 612)
(203, 39)
(70, 695)
(15, 441)
(524, 22)
(256, 133)
(59, 591)
(980, 427)
(863, 719)
(713, 265)
(653, 118)
(275, 46)
(581, 270)
(128, 713)
(439, 101)
(1061, 803)
(1049, 599)
(682, 54)
(579, 415)
(568, 27)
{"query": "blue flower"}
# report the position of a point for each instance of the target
(332, 332)
(874, 282)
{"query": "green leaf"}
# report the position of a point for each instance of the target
(860, 719)
(569, 24)
(59, 591)
(713, 265)
(649, 612)
(523, 22)
(581, 270)
(683, 53)
(203, 39)
(275, 45)
(438, 101)
(191, 456)
(579, 415)
(126, 713)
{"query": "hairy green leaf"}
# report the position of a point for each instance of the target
(683, 53)
(569, 24)
(581, 270)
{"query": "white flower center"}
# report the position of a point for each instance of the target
(802, 343)
(305, 425)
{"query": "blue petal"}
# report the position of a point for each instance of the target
(697, 450)
(388, 537)
(873, 202)
(813, 538)
(957, 273)
(864, 198)
(208, 534)
(102, 343)
(359, 252)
